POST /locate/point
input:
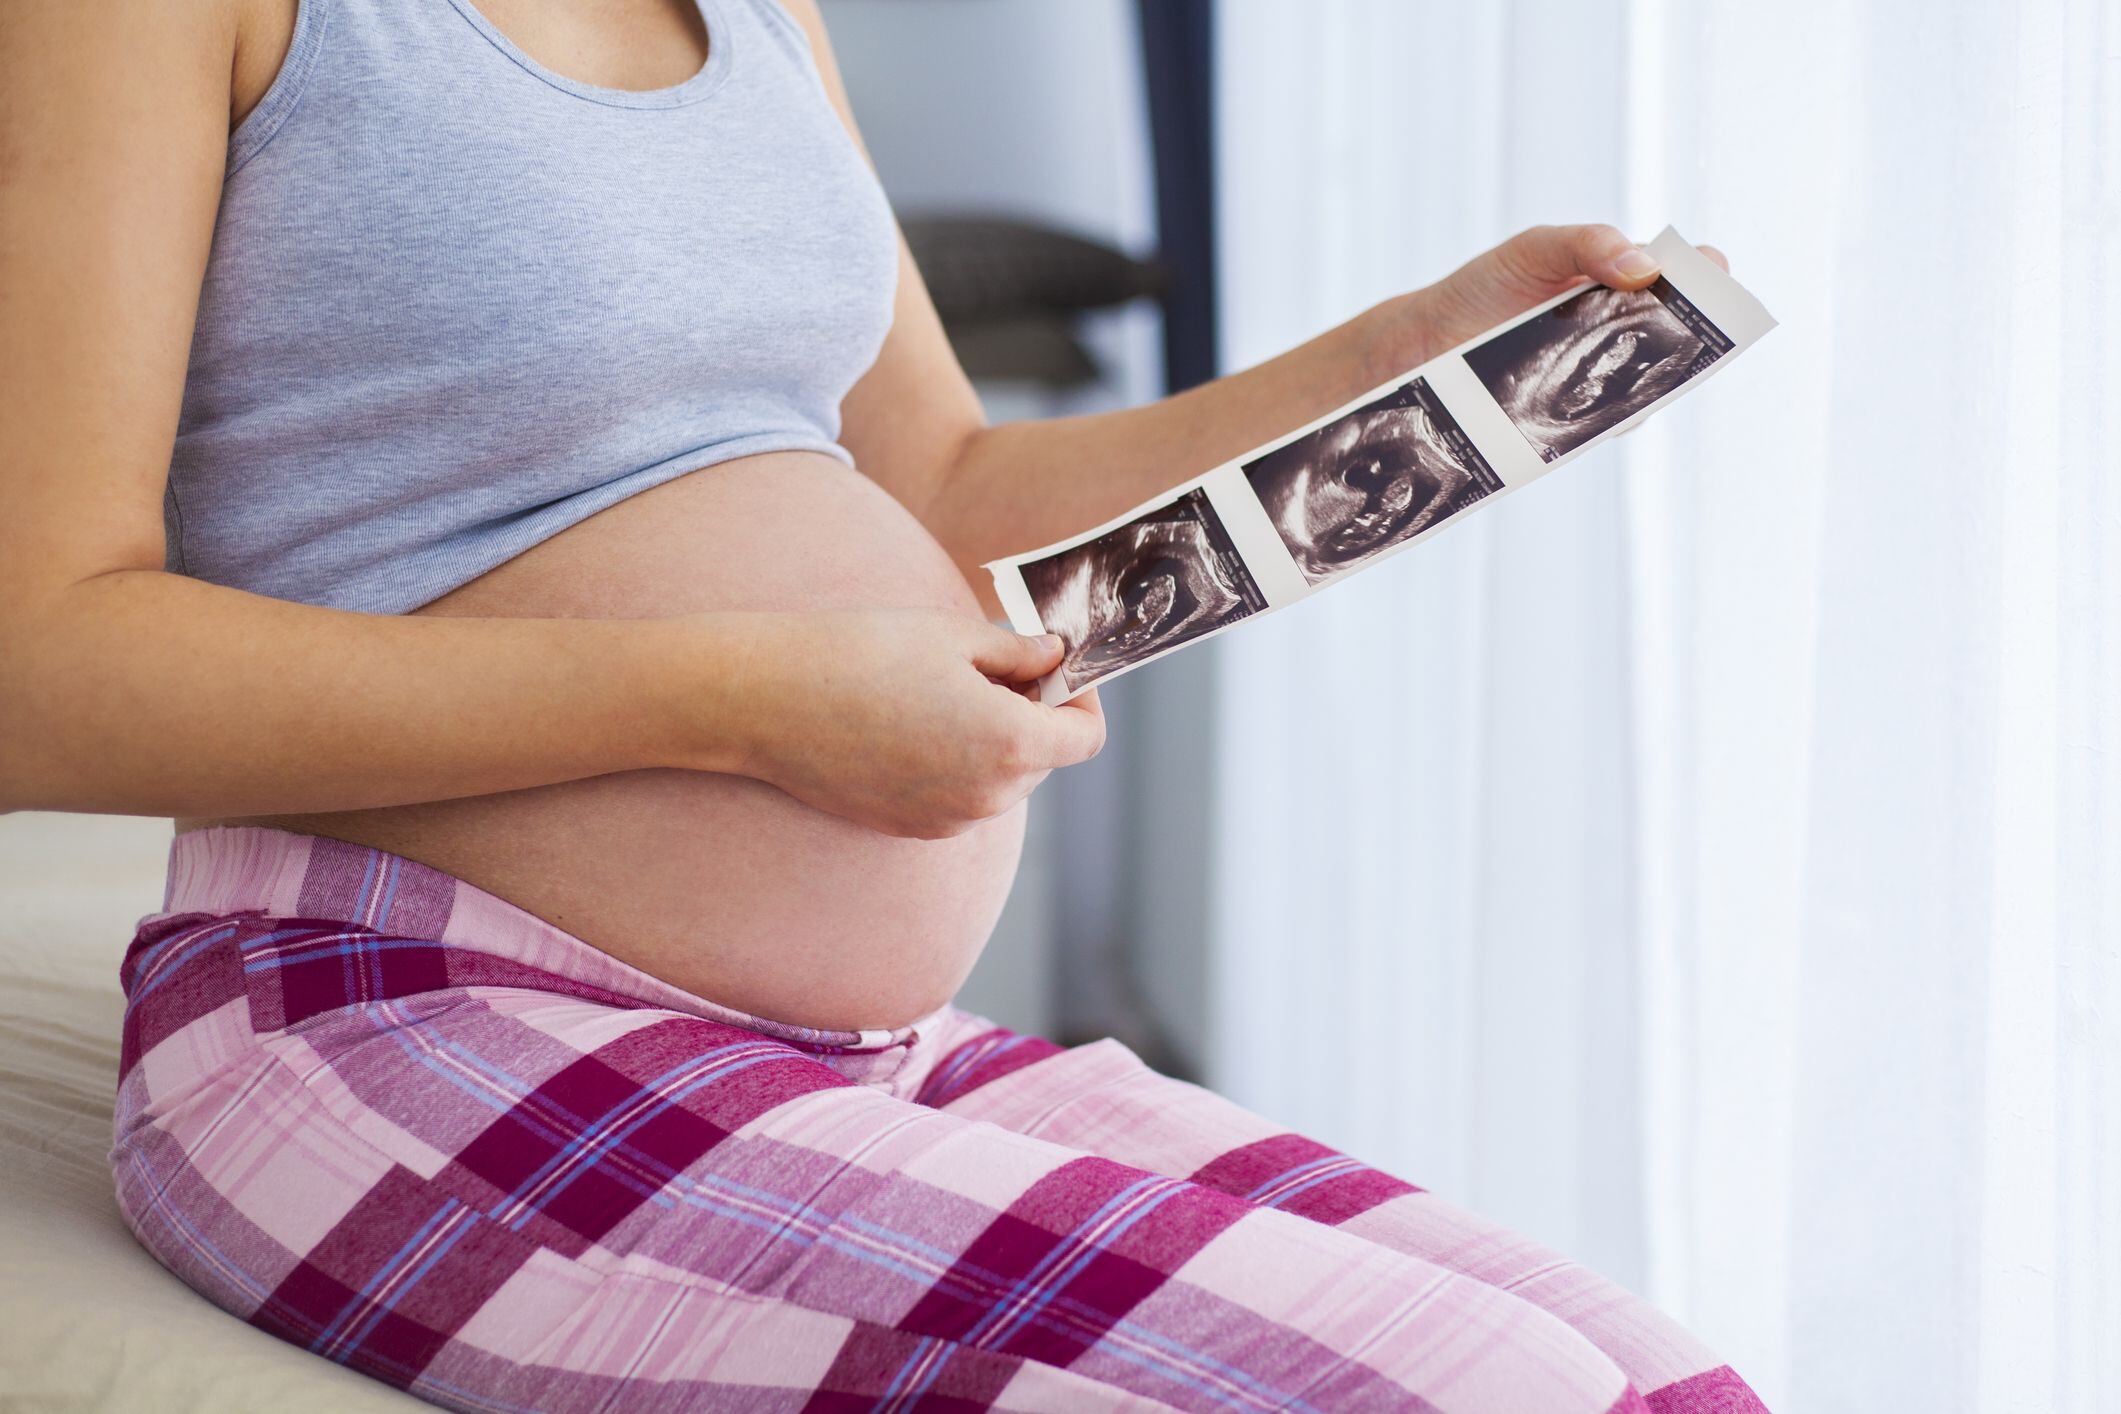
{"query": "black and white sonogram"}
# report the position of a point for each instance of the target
(1595, 360)
(1369, 480)
(1162, 579)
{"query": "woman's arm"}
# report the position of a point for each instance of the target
(1018, 486)
(126, 689)
(914, 423)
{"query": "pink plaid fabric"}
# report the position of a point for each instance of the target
(401, 1123)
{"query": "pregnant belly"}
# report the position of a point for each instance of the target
(721, 884)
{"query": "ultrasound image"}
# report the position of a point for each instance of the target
(1162, 579)
(1592, 362)
(1370, 480)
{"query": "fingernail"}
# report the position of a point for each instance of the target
(1051, 640)
(1636, 265)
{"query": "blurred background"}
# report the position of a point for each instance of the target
(1709, 861)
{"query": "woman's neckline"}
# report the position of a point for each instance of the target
(701, 85)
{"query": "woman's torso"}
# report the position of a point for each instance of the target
(692, 314)
(723, 885)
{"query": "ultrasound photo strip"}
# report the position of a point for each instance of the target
(1379, 474)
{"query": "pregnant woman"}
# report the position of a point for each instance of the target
(489, 469)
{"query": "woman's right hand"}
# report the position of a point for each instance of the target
(908, 721)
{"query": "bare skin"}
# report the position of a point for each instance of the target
(791, 783)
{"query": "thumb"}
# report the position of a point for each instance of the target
(1014, 657)
(1555, 256)
(1075, 730)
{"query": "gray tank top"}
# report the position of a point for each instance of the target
(457, 302)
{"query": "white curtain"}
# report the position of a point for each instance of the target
(1710, 860)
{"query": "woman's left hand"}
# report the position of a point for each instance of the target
(1530, 267)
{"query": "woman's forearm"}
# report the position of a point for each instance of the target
(1019, 485)
(138, 692)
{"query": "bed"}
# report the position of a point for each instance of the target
(89, 1321)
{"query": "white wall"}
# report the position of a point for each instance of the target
(1028, 107)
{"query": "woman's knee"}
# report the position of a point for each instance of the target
(1655, 1351)
(1345, 1324)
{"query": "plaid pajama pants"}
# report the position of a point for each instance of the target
(393, 1119)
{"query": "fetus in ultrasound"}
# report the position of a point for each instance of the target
(1591, 362)
(1370, 480)
(1162, 579)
